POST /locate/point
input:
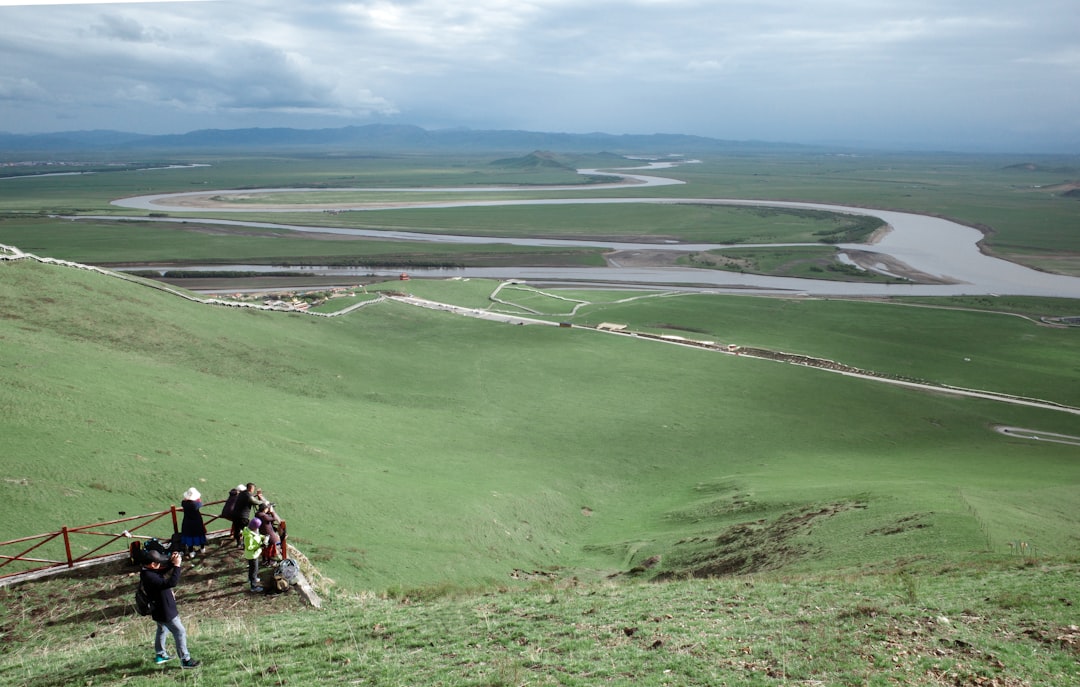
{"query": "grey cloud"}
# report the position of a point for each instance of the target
(764, 69)
(21, 89)
(122, 28)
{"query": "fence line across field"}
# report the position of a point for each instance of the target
(105, 551)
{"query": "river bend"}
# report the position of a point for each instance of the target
(938, 247)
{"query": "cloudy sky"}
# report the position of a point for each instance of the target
(982, 75)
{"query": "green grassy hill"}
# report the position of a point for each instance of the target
(1007, 624)
(488, 501)
(411, 448)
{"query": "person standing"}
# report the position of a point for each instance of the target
(248, 498)
(253, 545)
(159, 575)
(192, 529)
(228, 511)
(269, 519)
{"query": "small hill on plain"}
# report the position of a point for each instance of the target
(539, 159)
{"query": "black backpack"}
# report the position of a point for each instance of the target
(230, 504)
(144, 605)
(153, 544)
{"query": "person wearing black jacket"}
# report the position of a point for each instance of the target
(250, 497)
(158, 577)
(229, 509)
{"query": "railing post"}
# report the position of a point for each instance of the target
(70, 559)
(67, 546)
(283, 533)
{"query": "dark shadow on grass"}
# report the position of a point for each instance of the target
(130, 668)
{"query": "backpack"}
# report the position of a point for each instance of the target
(152, 544)
(144, 605)
(230, 504)
(279, 577)
(288, 569)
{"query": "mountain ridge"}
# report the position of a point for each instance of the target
(377, 137)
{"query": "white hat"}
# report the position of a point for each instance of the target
(192, 494)
(241, 487)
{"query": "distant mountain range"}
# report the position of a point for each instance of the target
(373, 138)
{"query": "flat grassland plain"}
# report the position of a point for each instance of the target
(414, 451)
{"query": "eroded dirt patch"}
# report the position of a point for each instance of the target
(750, 547)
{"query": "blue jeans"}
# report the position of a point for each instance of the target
(253, 571)
(179, 636)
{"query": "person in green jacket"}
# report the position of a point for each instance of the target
(253, 545)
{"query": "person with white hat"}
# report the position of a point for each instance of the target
(192, 529)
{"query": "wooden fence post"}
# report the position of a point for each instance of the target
(67, 547)
(90, 553)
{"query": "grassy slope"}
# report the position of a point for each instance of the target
(1006, 625)
(998, 352)
(411, 447)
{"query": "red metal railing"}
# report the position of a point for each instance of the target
(47, 547)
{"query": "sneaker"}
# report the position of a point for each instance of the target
(190, 663)
(256, 589)
(162, 659)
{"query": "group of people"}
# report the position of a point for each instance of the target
(238, 508)
(257, 535)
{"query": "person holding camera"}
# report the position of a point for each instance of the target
(269, 529)
(159, 575)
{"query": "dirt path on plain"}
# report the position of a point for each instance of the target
(1036, 435)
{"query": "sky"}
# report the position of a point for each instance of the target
(963, 75)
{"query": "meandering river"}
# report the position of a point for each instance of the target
(938, 247)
